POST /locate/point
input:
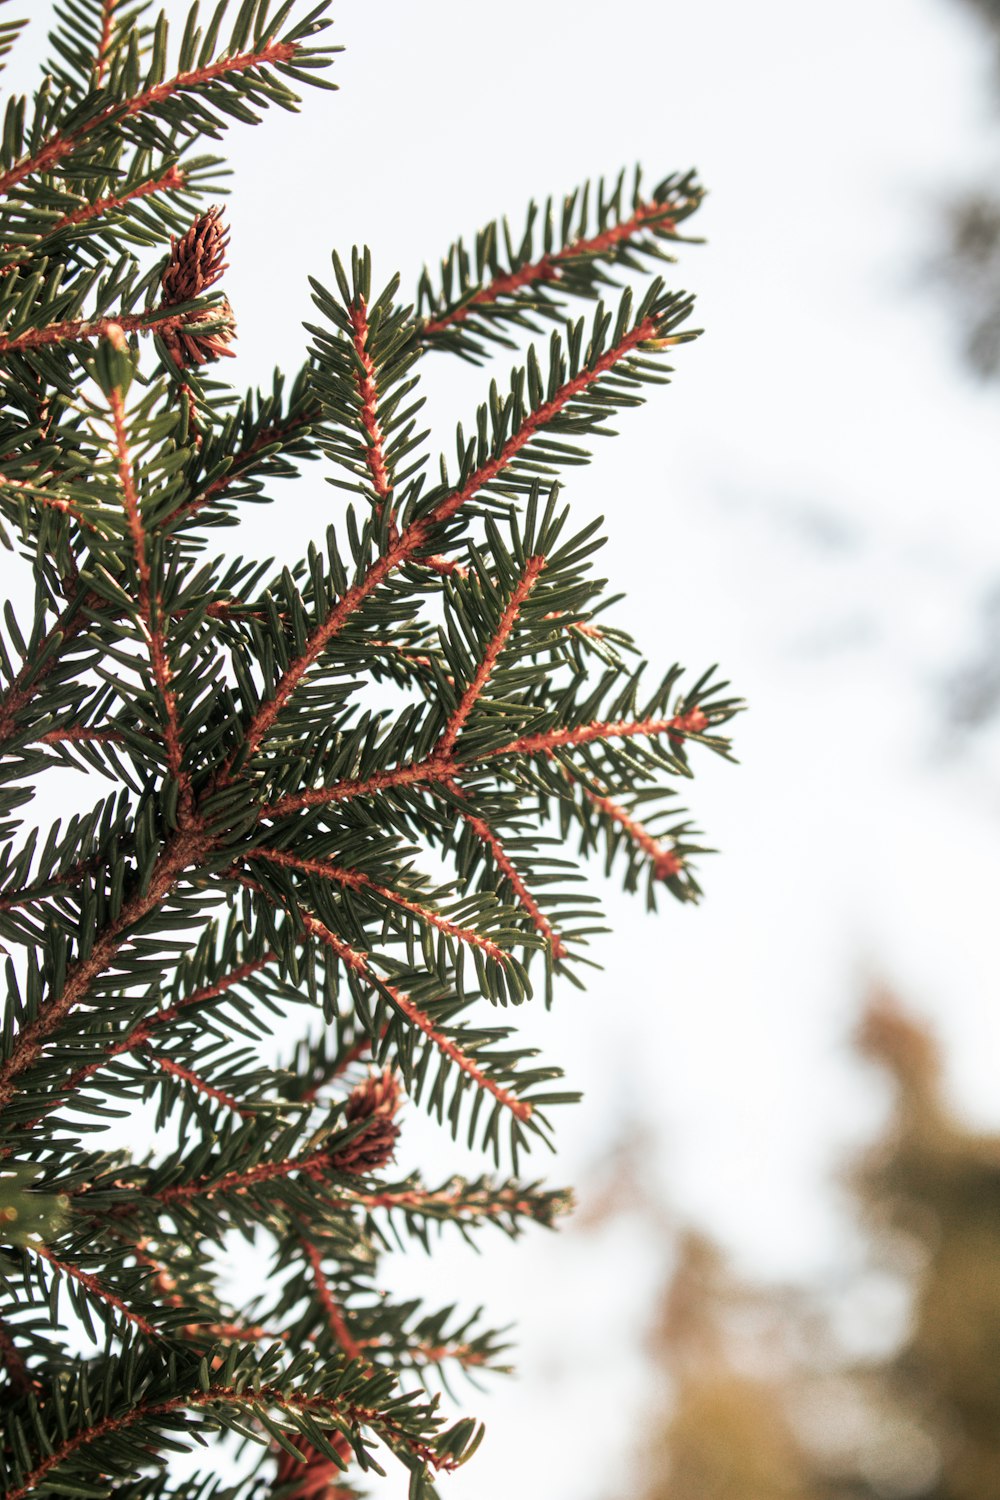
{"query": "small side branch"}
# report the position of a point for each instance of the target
(358, 964)
(150, 610)
(549, 268)
(200, 1085)
(693, 722)
(73, 330)
(485, 834)
(666, 863)
(61, 144)
(334, 1317)
(356, 880)
(508, 620)
(95, 1288)
(415, 538)
(367, 386)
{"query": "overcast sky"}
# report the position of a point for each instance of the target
(811, 504)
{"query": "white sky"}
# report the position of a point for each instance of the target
(812, 504)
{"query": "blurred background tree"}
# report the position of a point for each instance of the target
(762, 1396)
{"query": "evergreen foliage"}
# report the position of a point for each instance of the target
(265, 838)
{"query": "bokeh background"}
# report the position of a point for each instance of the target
(811, 504)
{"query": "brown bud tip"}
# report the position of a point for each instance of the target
(197, 261)
(380, 1094)
(376, 1101)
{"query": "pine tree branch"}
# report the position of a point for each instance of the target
(334, 1317)
(163, 319)
(549, 268)
(358, 964)
(60, 145)
(77, 734)
(108, 8)
(19, 693)
(266, 438)
(666, 862)
(356, 880)
(692, 722)
(173, 179)
(438, 769)
(485, 834)
(368, 394)
(199, 1084)
(461, 1203)
(150, 607)
(417, 535)
(508, 620)
(95, 1288)
(141, 1034)
(39, 889)
(247, 1400)
(313, 1165)
(184, 848)
(41, 496)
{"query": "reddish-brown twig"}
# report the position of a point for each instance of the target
(485, 834)
(59, 145)
(358, 964)
(334, 1317)
(549, 267)
(150, 607)
(97, 1290)
(356, 880)
(416, 536)
(481, 677)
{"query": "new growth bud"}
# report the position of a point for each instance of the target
(376, 1101)
(197, 261)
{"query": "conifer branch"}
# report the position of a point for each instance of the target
(199, 1084)
(549, 267)
(94, 1287)
(485, 834)
(334, 1317)
(39, 889)
(220, 694)
(416, 536)
(174, 179)
(108, 8)
(267, 441)
(693, 722)
(368, 394)
(508, 620)
(163, 319)
(358, 964)
(140, 1035)
(666, 862)
(358, 881)
(61, 145)
(37, 667)
(248, 1400)
(443, 769)
(77, 734)
(184, 848)
(150, 606)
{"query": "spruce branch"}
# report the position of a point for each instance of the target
(267, 841)
(510, 283)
